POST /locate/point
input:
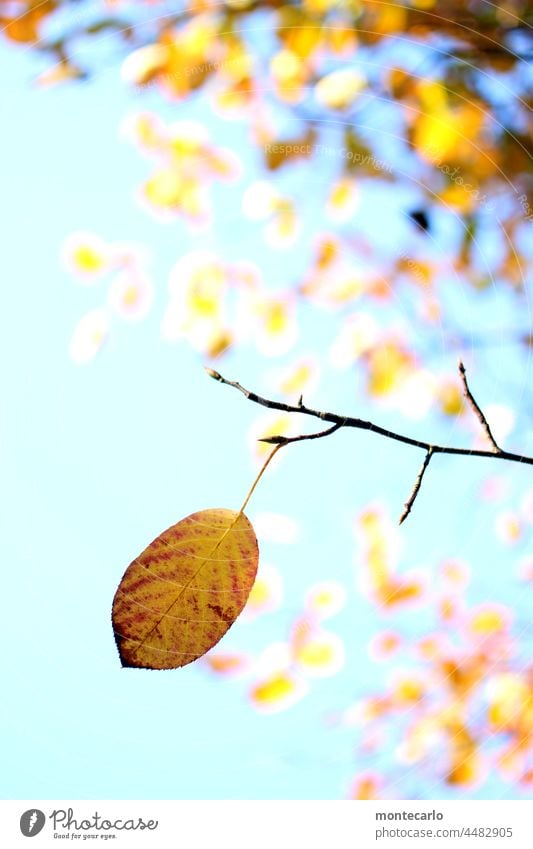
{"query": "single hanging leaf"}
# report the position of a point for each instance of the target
(180, 596)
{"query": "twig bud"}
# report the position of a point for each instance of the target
(214, 374)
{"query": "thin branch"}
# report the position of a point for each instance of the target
(418, 483)
(477, 409)
(285, 440)
(361, 424)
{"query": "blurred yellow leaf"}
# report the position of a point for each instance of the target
(408, 691)
(450, 399)
(145, 64)
(488, 619)
(339, 89)
(86, 255)
(442, 134)
(365, 787)
(226, 664)
(325, 599)
(388, 364)
(341, 40)
(343, 199)
(320, 654)
(277, 692)
(266, 592)
(289, 75)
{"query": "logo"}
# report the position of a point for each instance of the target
(32, 822)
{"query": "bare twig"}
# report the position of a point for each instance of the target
(418, 483)
(285, 440)
(477, 409)
(361, 424)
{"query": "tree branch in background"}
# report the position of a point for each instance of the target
(477, 409)
(360, 424)
(418, 483)
(285, 440)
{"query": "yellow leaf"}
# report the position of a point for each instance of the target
(341, 40)
(226, 664)
(339, 89)
(459, 197)
(298, 378)
(408, 691)
(145, 64)
(165, 188)
(61, 72)
(450, 399)
(398, 591)
(343, 199)
(319, 7)
(325, 599)
(277, 328)
(389, 17)
(383, 645)
(509, 696)
(131, 294)
(430, 647)
(86, 255)
(277, 692)
(365, 787)
(328, 250)
(388, 365)
(266, 592)
(144, 129)
(465, 768)
(455, 572)
(443, 134)
(321, 654)
(179, 597)
(23, 25)
(488, 619)
(283, 229)
(279, 425)
(218, 343)
(289, 75)
(508, 527)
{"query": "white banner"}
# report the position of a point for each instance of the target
(267, 825)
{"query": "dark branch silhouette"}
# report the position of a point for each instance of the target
(477, 409)
(418, 483)
(339, 422)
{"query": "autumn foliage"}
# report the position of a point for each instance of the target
(425, 106)
(180, 596)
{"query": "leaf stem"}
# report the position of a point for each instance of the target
(279, 442)
(259, 476)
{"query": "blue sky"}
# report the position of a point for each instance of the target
(98, 460)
